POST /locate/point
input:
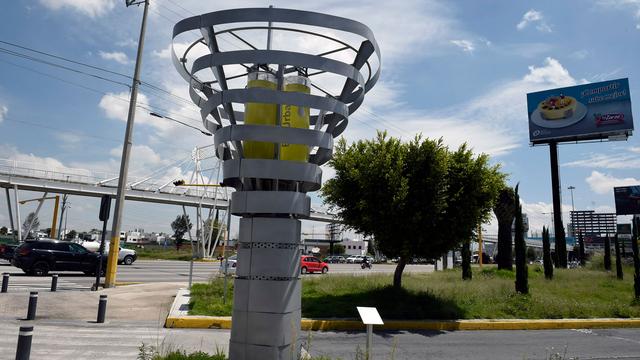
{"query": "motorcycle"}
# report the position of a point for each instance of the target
(366, 264)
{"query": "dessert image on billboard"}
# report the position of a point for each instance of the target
(558, 111)
(557, 107)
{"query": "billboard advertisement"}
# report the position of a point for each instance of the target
(627, 200)
(583, 112)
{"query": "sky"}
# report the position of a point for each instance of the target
(459, 70)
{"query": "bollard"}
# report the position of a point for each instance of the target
(33, 303)
(23, 352)
(102, 309)
(54, 282)
(5, 282)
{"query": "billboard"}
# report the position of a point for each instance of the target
(627, 200)
(584, 112)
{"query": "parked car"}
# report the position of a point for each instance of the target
(40, 256)
(335, 259)
(310, 264)
(232, 264)
(6, 251)
(355, 259)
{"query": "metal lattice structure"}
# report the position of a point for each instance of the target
(274, 109)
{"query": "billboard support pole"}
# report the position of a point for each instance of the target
(560, 242)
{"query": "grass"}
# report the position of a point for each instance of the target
(168, 253)
(573, 293)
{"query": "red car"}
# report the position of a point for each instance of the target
(309, 264)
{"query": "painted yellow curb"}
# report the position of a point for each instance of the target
(224, 322)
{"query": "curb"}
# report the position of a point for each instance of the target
(179, 318)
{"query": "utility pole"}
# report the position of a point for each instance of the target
(64, 208)
(112, 261)
(573, 210)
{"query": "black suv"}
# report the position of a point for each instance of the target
(44, 255)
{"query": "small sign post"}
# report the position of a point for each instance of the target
(370, 317)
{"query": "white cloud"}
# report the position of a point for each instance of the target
(619, 160)
(534, 17)
(127, 43)
(68, 140)
(632, 6)
(117, 56)
(491, 123)
(3, 112)
(604, 183)
(635, 149)
(116, 106)
(465, 45)
(91, 8)
(141, 156)
(541, 213)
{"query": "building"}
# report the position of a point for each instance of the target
(355, 247)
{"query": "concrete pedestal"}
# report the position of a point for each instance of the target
(266, 305)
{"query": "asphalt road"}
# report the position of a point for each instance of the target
(148, 271)
(122, 339)
(580, 344)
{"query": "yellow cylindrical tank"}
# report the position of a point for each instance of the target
(260, 114)
(297, 117)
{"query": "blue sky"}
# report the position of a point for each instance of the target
(453, 69)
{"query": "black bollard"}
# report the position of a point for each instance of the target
(54, 282)
(5, 282)
(102, 309)
(23, 352)
(33, 303)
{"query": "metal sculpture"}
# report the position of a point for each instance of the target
(273, 126)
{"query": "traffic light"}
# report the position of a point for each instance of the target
(178, 182)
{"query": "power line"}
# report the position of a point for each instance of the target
(65, 59)
(20, 55)
(147, 108)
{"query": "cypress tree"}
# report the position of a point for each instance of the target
(466, 260)
(522, 280)
(619, 273)
(607, 253)
(583, 258)
(546, 254)
(636, 257)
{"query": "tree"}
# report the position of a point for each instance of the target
(522, 275)
(619, 273)
(583, 257)
(4, 230)
(636, 257)
(466, 260)
(72, 234)
(504, 209)
(416, 199)
(31, 222)
(180, 226)
(531, 254)
(607, 253)
(338, 249)
(546, 257)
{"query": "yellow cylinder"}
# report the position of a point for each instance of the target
(297, 117)
(260, 114)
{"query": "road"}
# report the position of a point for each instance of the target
(84, 340)
(151, 271)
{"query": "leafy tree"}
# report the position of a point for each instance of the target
(338, 249)
(467, 274)
(504, 209)
(607, 253)
(180, 226)
(619, 273)
(636, 257)
(31, 222)
(4, 230)
(522, 275)
(416, 199)
(546, 257)
(583, 257)
(72, 234)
